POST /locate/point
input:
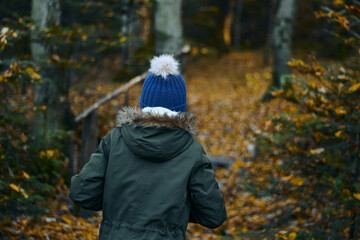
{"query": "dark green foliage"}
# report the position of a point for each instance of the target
(315, 144)
(88, 33)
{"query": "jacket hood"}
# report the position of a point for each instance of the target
(156, 137)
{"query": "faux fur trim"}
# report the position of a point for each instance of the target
(136, 117)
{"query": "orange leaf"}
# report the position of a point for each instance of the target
(340, 111)
(277, 92)
(42, 107)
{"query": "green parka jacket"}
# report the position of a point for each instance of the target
(150, 178)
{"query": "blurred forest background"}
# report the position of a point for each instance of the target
(274, 85)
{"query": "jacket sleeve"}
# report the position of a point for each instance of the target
(207, 202)
(87, 187)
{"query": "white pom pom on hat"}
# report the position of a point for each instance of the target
(164, 65)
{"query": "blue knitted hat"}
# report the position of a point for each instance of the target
(164, 87)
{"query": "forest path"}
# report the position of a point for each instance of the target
(224, 94)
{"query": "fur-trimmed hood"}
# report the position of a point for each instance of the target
(135, 117)
(154, 136)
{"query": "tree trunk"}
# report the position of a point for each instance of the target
(89, 141)
(168, 27)
(237, 24)
(282, 33)
(223, 7)
(269, 34)
(46, 13)
(125, 24)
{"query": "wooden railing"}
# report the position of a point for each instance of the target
(91, 118)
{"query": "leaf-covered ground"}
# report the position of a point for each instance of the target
(224, 94)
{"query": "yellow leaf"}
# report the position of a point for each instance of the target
(122, 39)
(287, 178)
(26, 175)
(296, 63)
(251, 199)
(194, 51)
(25, 195)
(293, 64)
(297, 181)
(292, 236)
(204, 51)
(1, 78)
(42, 154)
(338, 2)
(65, 219)
(318, 69)
(35, 76)
(32, 73)
(50, 153)
(340, 111)
(14, 187)
(338, 133)
(357, 196)
(29, 70)
(238, 164)
(354, 87)
(312, 84)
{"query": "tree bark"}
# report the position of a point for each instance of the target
(270, 28)
(223, 7)
(283, 29)
(237, 24)
(125, 25)
(89, 141)
(168, 27)
(46, 13)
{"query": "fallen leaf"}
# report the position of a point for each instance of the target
(292, 236)
(338, 133)
(297, 181)
(354, 87)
